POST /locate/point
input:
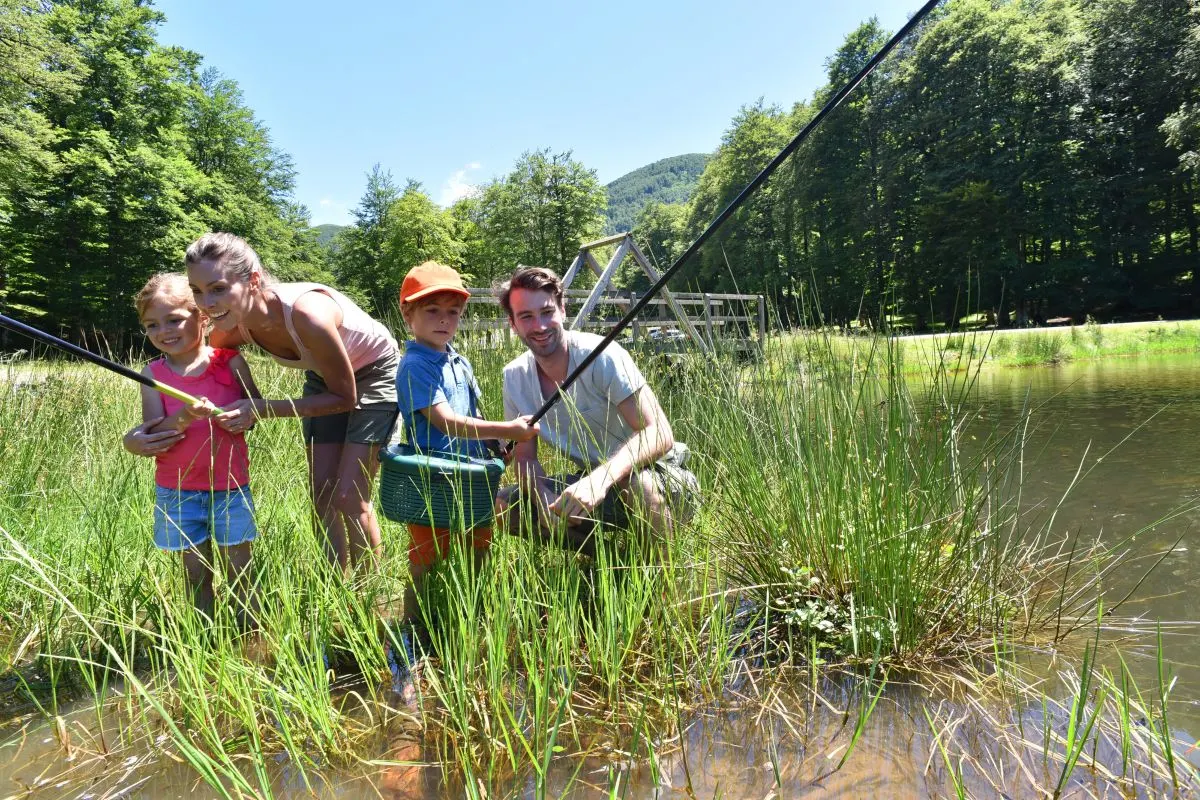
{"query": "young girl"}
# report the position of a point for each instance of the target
(203, 481)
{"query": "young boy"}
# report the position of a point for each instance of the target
(439, 399)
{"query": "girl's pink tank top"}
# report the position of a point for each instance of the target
(207, 457)
(366, 340)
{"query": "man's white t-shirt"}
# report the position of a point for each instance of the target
(586, 425)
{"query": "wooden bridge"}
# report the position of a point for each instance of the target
(724, 321)
(709, 321)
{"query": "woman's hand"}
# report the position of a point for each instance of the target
(240, 417)
(142, 443)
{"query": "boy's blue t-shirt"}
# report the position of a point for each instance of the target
(427, 377)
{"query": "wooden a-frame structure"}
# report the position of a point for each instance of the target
(625, 248)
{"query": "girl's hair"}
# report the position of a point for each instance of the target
(170, 285)
(231, 252)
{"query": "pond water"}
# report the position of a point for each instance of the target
(1133, 425)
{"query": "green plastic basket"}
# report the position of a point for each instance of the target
(442, 491)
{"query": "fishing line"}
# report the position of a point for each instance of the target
(99, 360)
(829, 106)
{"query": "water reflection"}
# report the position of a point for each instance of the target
(746, 750)
(1133, 425)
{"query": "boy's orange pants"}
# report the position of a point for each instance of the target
(426, 545)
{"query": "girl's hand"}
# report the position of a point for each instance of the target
(523, 429)
(141, 443)
(202, 409)
(238, 417)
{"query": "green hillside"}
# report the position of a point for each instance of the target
(325, 233)
(670, 180)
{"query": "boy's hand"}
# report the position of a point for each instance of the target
(523, 428)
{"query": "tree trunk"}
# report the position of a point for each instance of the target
(1169, 225)
(1189, 213)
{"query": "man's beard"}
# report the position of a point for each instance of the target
(549, 346)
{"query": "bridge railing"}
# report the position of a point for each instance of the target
(723, 319)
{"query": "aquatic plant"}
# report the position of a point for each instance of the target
(845, 524)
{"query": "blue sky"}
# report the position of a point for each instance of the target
(451, 93)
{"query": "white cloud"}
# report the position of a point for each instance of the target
(457, 186)
(331, 211)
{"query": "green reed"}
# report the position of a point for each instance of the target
(855, 509)
(844, 523)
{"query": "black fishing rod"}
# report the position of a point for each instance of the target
(88, 355)
(829, 106)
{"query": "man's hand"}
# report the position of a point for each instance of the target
(582, 497)
(141, 443)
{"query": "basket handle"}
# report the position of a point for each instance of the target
(496, 447)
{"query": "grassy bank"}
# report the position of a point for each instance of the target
(845, 534)
(1040, 346)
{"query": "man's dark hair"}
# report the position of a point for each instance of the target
(531, 279)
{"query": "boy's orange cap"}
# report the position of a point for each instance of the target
(428, 278)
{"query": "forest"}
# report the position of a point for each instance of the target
(1023, 160)
(668, 180)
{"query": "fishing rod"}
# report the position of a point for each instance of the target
(694, 247)
(88, 355)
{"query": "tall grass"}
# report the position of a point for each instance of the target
(843, 524)
(851, 510)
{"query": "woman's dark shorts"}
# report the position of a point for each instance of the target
(374, 415)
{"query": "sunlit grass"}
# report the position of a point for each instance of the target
(844, 528)
(1044, 346)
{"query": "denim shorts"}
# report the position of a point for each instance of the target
(185, 519)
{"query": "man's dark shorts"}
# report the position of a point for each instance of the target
(677, 484)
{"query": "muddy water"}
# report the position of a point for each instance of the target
(1134, 428)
